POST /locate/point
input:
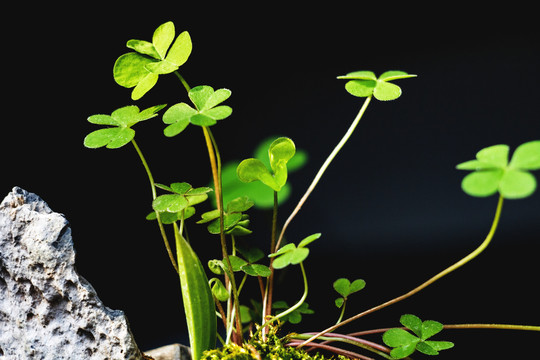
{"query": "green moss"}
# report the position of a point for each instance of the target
(256, 349)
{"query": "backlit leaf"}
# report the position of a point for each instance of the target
(527, 156)
(516, 184)
(180, 50)
(495, 155)
(162, 38)
(482, 183)
(386, 91)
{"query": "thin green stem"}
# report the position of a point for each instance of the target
(494, 326)
(443, 273)
(459, 326)
(268, 295)
(215, 163)
(322, 170)
(348, 339)
(292, 308)
(342, 311)
(182, 80)
(154, 195)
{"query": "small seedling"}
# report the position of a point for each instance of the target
(404, 343)
(345, 288)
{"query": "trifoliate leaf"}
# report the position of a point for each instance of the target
(364, 84)
(493, 172)
(123, 119)
(140, 69)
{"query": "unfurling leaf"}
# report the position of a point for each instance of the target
(280, 152)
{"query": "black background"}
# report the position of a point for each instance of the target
(390, 209)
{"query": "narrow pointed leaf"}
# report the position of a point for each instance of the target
(516, 184)
(197, 299)
(527, 156)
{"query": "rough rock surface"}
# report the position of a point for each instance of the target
(48, 311)
(170, 352)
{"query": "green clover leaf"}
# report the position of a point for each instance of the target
(121, 121)
(140, 69)
(234, 221)
(294, 317)
(365, 83)
(182, 196)
(492, 172)
(280, 152)
(344, 287)
(291, 254)
(205, 113)
(404, 343)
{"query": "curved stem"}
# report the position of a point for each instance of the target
(292, 308)
(330, 158)
(215, 163)
(448, 270)
(154, 195)
(182, 80)
(347, 353)
(268, 295)
(493, 326)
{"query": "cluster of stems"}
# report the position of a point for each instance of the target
(231, 316)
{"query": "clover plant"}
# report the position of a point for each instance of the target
(252, 322)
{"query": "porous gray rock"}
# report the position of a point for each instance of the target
(47, 310)
(170, 352)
